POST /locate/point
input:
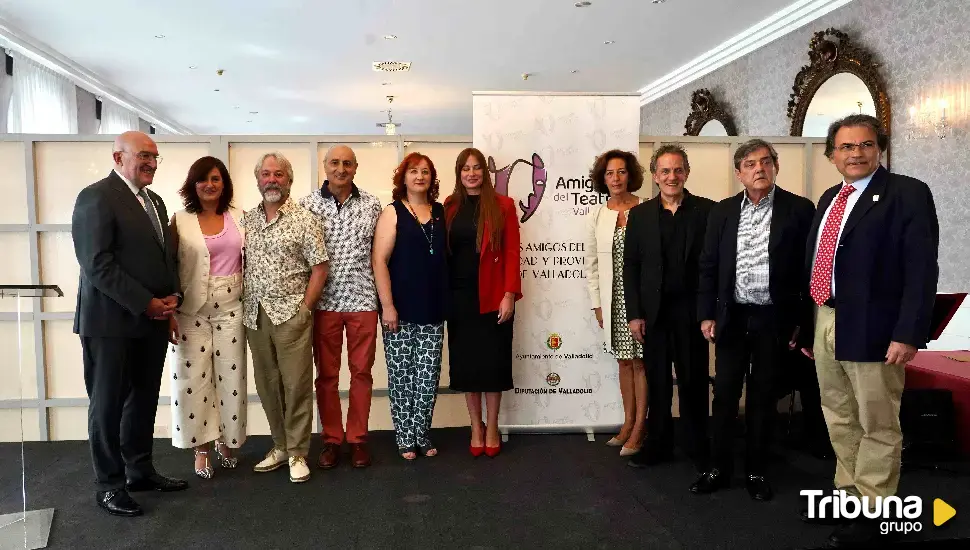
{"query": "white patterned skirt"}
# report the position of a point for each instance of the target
(209, 370)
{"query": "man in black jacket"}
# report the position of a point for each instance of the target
(751, 301)
(871, 263)
(128, 290)
(663, 241)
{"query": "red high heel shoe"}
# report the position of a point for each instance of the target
(493, 452)
(479, 450)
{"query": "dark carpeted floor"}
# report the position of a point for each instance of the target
(543, 491)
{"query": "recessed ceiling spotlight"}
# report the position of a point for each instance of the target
(385, 83)
(658, 1)
(159, 36)
(248, 121)
(254, 112)
(193, 66)
(574, 71)
(608, 42)
(216, 90)
(582, 4)
(235, 106)
(390, 36)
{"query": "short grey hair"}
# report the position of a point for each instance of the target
(751, 146)
(280, 159)
(669, 149)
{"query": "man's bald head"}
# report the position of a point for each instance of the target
(136, 157)
(340, 165)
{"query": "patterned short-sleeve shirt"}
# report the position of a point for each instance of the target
(277, 260)
(349, 230)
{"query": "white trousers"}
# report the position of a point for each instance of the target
(209, 370)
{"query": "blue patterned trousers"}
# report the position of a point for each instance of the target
(413, 356)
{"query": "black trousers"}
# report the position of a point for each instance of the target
(675, 344)
(750, 348)
(122, 377)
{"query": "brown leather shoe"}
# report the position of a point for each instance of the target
(359, 456)
(330, 456)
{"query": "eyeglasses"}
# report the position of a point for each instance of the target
(851, 147)
(145, 157)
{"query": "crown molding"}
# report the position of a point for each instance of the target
(19, 41)
(781, 23)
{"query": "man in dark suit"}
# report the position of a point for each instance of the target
(664, 237)
(751, 301)
(872, 262)
(127, 293)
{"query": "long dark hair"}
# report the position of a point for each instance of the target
(199, 171)
(489, 214)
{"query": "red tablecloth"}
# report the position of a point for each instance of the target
(932, 369)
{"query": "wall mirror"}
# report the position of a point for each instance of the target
(842, 79)
(707, 117)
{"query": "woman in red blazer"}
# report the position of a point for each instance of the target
(483, 266)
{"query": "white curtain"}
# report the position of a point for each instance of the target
(116, 119)
(43, 102)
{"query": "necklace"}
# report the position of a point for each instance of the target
(430, 238)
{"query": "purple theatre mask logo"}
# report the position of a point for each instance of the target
(539, 176)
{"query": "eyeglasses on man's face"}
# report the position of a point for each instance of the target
(147, 157)
(865, 146)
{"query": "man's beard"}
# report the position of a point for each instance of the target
(273, 195)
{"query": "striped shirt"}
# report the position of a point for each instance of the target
(752, 274)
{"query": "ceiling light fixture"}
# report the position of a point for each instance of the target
(254, 112)
(385, 83)
(391, 66)
(582, 4)
(390, 127)
(574, 71)
(193, 67)
(159, 36)
(390, 36)
(658, 1)
(608, 42)
(216, 90)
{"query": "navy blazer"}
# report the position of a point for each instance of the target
(885, 270)
(123, 263)
(791, 217)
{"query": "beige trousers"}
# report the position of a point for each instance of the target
(860, 402)
(283, 371)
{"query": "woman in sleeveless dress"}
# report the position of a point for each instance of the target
(619, 174)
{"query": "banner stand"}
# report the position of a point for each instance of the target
(539, 150)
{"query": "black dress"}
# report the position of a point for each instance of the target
(479, 349)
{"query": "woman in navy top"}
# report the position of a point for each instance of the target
(410, 272)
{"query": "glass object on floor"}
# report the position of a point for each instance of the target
(19, 527)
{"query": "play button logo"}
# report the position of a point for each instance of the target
(942, 512)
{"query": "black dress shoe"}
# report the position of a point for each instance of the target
(758, 487)
(157, 482)
(708, 482)
(118, 502)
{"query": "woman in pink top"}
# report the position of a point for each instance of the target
(209, 365)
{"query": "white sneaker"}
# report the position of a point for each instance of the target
(299, 471)
(274, 459)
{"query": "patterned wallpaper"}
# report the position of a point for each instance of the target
(924, 50)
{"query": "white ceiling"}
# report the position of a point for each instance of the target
(304, 65)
